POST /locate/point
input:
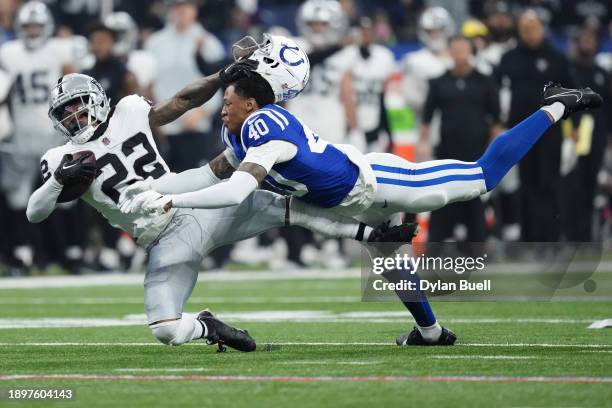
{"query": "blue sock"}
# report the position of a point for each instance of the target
(510, 147)
(418, 305)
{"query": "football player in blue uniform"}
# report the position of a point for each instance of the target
(265, 142)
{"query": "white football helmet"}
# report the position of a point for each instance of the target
(74, 96)
(436, 26)
(280, 61)
(328, 13)
(34, 13)
(127, 32)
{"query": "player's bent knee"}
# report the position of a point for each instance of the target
(167, 333)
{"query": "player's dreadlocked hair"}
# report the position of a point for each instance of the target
(254, 86)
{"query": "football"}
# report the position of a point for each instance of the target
(75, 189)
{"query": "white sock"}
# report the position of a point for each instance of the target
(432, 333)
(177, 332)
(203, 330)
(556, 110)
(366, 232)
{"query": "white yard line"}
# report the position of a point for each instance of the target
(272, 316)
(255, 378)
(115, 279)
(202, 300)
(476, 357)
(328, 362)
(170, 370)
(315, 344)
(237, 299)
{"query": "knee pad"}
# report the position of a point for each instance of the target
(167, 332)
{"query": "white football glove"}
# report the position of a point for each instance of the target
(147, 202)
(157, 205)
(136, 188)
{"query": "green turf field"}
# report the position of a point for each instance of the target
(318, 346)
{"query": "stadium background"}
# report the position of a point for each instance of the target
(62, 246)
(319, 343)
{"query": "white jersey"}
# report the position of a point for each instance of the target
(369, 77)
(125, 152)
(604, 60)
(6, 123)
(488, 59)
(319, 103)
(419, 67)
(33, 74)
(143, 65)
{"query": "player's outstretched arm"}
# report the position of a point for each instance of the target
(193, 95)
(254, 168)
(212, 173)
(240, 185)
(251, 172)
(196, 179)
(197, 93)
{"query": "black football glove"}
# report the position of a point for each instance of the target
(70, 170)
(237, 70)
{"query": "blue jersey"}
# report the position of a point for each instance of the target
(319, 173)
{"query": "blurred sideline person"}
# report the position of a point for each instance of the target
(266, 142)
(469, 108)
(7, 256)
(120, 137)
(140, 62)
(110, 71)
(373, 65)
(502, 38)
(323, 27)
(534, 62)
(33, 62)
(501, 27)
(591, 137)
(173, 48)
(6, 122)
(477, 32)
(436, 26)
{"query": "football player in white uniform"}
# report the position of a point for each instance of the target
(141, 62)
(33, 62)
(6, 122)
(266, 142)
(322, 26)
(373, 65)
(436, 26)
(121, 140)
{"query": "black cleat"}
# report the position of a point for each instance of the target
(414, 338)
(403, 233)
(222, 334)
(575, 100)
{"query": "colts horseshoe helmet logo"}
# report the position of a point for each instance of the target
(295, 52)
